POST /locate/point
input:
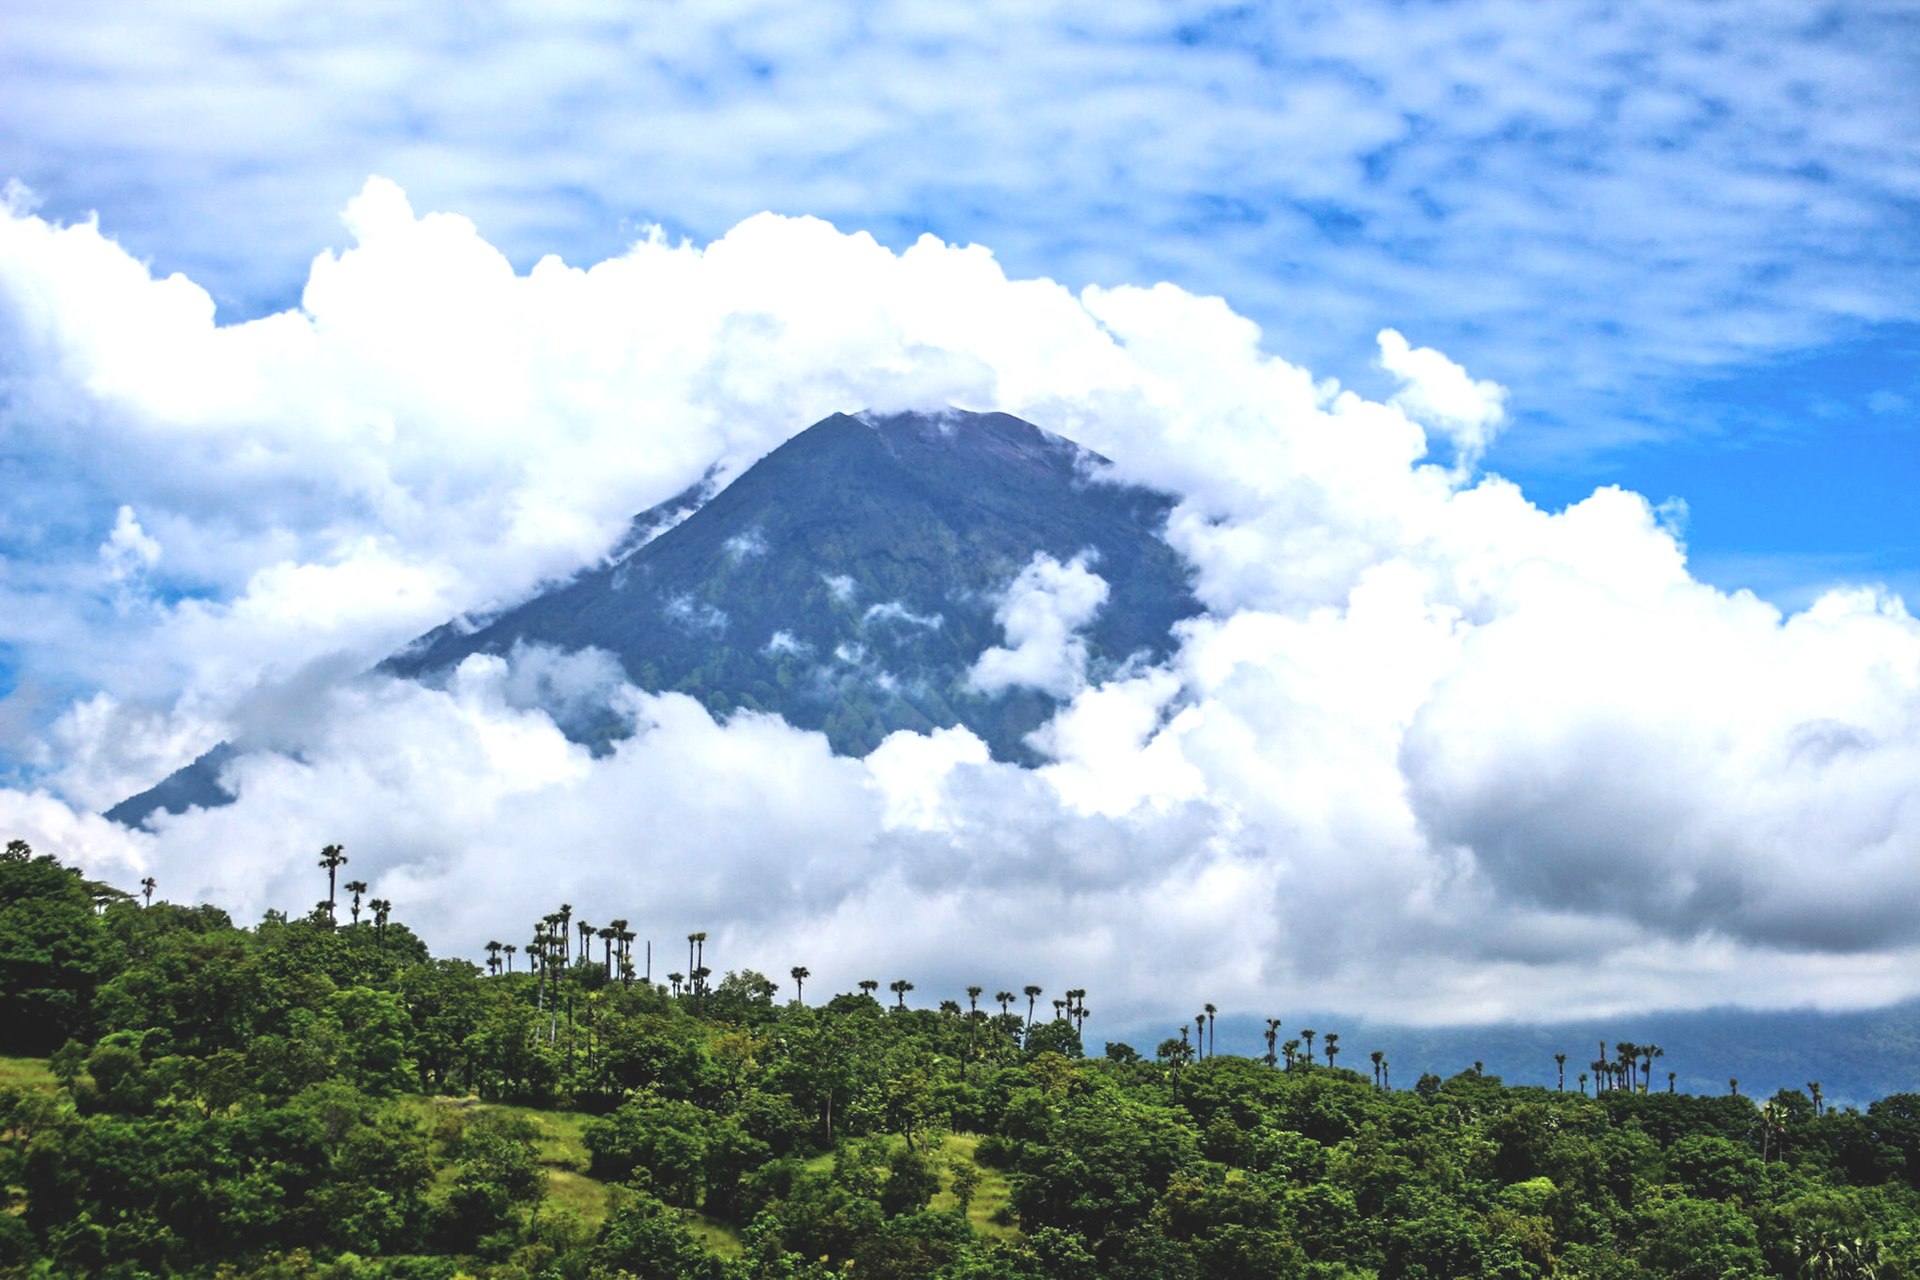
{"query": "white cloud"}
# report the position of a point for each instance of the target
(893, 611)
(1436, 391)
(128, 551)
(1044, 608)
(1431, 750)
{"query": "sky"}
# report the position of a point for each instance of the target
(1538, 384)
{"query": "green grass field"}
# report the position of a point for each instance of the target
(25, 1073)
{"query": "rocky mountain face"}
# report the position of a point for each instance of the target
(848, 581)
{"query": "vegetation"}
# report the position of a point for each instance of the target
(311, 1098)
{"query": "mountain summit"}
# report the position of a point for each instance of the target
(848, 581)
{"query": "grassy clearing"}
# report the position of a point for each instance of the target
(561, 1146)
(25, 1073)
(991, 1199)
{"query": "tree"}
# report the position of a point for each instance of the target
(1006, 999)
(800, 973)
(1308, 1034)
(1560, 1061)
(900, 987)
(1273, 1034)
(333, 857)
(1377, 1056)
(1332, 1046)
(973, 999)
(147, 887)
(356, 888)
(493, 957)
(1032, 993)
(868, 986)
(382, 908)
(1213, 1017)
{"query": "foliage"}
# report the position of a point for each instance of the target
(304, 1100)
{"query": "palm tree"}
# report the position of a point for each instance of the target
(1005, 998)
(1560, 1061)
(951, 1009)
(1650, 1052)
(1332, 1047)
(1813, 1087)
(1670, 1079)
(1291, 1049)
(1059, 1010)
(973, 999)
(586, 942)
(676, 979)
(1213, 1016)
(868, 986)
(1583, 1084)
(1200, 1034)
(566, 933)
(1032, 993)
(1733, 1086)
(333, 857)
(1378, 1057)
(382, 908)
(900, 987)
(493, 957)
(1308, 1036)
(510, 949)
(800, 973)
(147, 887)
(356, 888)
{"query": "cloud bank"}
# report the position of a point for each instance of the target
(1431, 753)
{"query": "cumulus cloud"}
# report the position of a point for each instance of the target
(1438, 393)
(1431, 751)
(1044, 608)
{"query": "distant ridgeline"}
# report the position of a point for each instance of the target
(318, 1097)
(847, 581)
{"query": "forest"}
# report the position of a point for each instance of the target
(319, 1096)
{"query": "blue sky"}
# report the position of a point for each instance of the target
(322, 323)
(1684, 237)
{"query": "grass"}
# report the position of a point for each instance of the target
(560, 1144)
(25, 1073)
(992, 1197)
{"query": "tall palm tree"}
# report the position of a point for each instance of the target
(493, 957)
(1291, 1049)
(1273, 1033)
(356, 888)
(1560, 1061)
(382, 908)
(586, 942)
(1005, 998)
(1377, 1056)
(333, 857)
(1733, 1086)
(900, 987)
(973, 998)
(147, 886)
(690, 945)
(1032, 993)
(700, 958)
(868, 986)
(606, 934)
(1308, 1036)
(1583, 1084)
(1670, 1079)
(1332, 1046)
(800, 973)
(1200, 1034)
(676, 980)
(1213, 1016)
(566, 933)
(1650, 1052)
(1813, 1087)
(510, 949)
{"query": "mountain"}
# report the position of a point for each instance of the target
(847, 581)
